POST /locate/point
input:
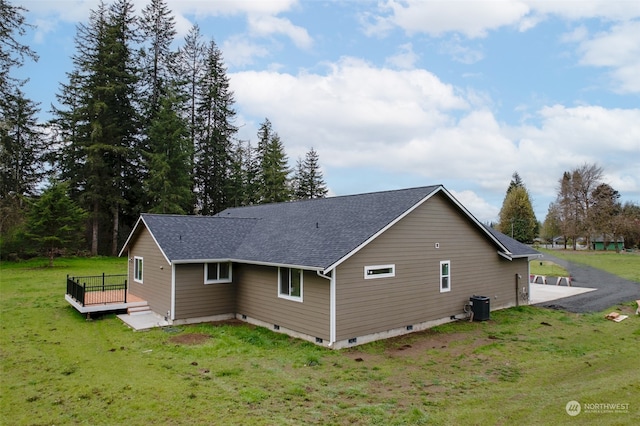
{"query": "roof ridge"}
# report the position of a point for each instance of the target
(306, 200)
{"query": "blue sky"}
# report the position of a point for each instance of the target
(397, 94)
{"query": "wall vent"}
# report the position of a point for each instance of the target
(319, 340)
(353, 340)
(276, 327)
(409, 327)
(244, 316)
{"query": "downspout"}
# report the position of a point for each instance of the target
(332, 305)
(172, 314)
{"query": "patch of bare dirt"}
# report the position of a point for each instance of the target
(233, 322)
(190, 339)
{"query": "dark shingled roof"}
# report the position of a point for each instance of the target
(515, 247)
(321, 231)
(197, 237)
(315, 233)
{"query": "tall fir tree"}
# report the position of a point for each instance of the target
(158, 58)
(97, 120)
(191, 63)
(22, 146)
(21, 140)
(169, 182)
(12, 51)
(214, 140)
(273, 178)
(308, 179)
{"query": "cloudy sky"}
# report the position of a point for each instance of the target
(404, 93)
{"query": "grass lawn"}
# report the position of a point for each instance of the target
(547, 268)
(521, 367)
(623, 264)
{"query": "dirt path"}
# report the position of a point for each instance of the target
(611, 289)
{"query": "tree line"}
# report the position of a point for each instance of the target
(585, 209)
(138, 127)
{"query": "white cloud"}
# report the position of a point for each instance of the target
(568, 137)
(265, 25)
(239, 51)
(411, 123)
(617, 49)
(484, 211)
(476, 18)
(471, 18)
(404, 59)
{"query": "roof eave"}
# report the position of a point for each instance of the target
(248, 262)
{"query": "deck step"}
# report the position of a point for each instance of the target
(139, 310)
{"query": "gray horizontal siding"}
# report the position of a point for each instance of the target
(156, 287)
(413, 295)
(257, 297)
(195, 299)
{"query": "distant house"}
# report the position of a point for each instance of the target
(336, 271)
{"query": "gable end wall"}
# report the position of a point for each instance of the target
(156, 287)
(413, 296)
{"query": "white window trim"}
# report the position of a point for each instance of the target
(288, 296)
(141, 269)
(445, 290)
(226, 280)
(369, 275)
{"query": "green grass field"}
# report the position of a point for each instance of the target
(547, 268)
(521, 367)
(623, 264)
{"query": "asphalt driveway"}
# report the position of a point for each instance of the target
(611, 289)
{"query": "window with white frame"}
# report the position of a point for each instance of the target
(445, 276)
(379, 271)
(290, 283)
(217, 272)
(137, 269)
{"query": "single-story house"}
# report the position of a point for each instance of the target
(602, 243)
(338, 271)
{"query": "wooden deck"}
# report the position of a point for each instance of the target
(105, 301)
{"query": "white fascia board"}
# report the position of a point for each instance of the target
(506, 255)
(126, 243)
(476, 222)
(380, 232)
(135, 228)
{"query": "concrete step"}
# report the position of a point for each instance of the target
(139, 310)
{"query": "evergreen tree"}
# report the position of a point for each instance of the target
(191, 59)
(251, 165)
(214, 140)
(273, 182)
(22, 148)
(516, 182)
(55, 222)
(516, 215)
(158, 60)
(12, 51)
(97, 122)
(308, 180)
(169, 182)
(21, 141)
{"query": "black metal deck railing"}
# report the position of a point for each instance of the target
(98, 289)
